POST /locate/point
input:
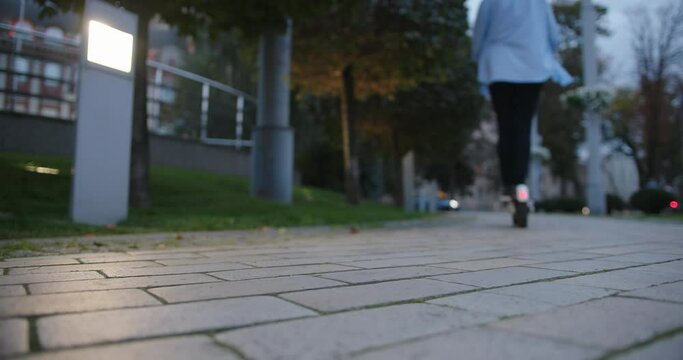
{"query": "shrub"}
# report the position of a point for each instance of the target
(561, 204)
(651, 201)
(615, 203)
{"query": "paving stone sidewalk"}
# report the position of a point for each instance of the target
(566, 288)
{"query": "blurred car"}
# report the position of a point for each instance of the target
(447, 205)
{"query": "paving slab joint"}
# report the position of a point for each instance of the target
(635, 297)
(243, 264)
(412, 340)
(659, 337)
(228, 347)
(205, 332)
(157, 297)
(217, 278)
(322, 276)
(421, 300)
(300, 305)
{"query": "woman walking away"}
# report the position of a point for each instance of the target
(514, 45)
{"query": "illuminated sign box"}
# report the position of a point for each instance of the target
(99, 192)
(109, 47)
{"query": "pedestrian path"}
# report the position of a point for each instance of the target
(566, 288)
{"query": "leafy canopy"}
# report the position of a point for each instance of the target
(391, 45)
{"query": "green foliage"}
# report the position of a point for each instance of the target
(179, 13)
(624, 126)
(651, 201)
(6, 249)
(561, 204)
(36, 205)
(318, 150)
(391, 45)
(587, 99)
(433, 119)
(414, 78)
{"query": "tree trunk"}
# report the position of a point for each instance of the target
(640, 166)
(398, 173)
(349, 138)
(139, 162)
(563, 187)
(654, 101)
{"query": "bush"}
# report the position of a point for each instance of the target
(615, 203)
(561, 204)
(651, 201)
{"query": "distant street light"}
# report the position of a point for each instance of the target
(595, 192)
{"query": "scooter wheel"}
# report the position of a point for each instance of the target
(520, 218)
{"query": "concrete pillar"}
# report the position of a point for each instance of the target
(408, 181)
(272, 171)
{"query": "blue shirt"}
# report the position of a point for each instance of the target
(516, 41)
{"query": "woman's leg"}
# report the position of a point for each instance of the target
(515, 106)
(503, 99)
(525, 106)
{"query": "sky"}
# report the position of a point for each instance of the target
(615, 48)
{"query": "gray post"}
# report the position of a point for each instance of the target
(105, 117)
(239, 121)
(408, 181)
(154, 111)
(204, 115)
(595, 192)
(272, 157)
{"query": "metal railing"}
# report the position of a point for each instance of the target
(39, 76)
(160, 93)
(37, 73)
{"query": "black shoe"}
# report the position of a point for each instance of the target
(520, 218)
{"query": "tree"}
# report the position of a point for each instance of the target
(658, 47)
(626, 124)
(357, 49)
(318, 141)
(434, 119)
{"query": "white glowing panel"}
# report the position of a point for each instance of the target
(110, 47)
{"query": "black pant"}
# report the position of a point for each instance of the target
(515, 106)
